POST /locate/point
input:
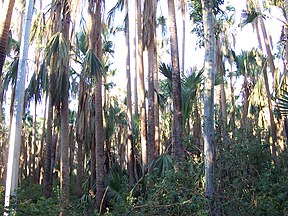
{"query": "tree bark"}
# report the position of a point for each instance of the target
(209, 76)
(5, 21)
(15, 134)
(130, 147)
(143, 126)
(98, 113)
(64, 130)
(177, 125)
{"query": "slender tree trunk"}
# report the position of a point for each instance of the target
(156, 107)
(81, 128)
(233, 107)
(99, 116)
(15, 135)
(223, 107)
(47, 178)
(209, 76)
(177, 125)
(41, 154)
(64, 132)
(5, 21)
(48, 163)
(271, 115)
(267, 46)
(245, 96)
(149, 41)
(183, 12)
(143, 126)
(130, 148)
(71, 150)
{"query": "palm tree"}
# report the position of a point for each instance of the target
(64, 132)
(15, 135)
(177, 123)
(95, 46)
(143, 126)
(53, 59)
(130, 147)
(5, 21)
(149, 41)
(209, 78)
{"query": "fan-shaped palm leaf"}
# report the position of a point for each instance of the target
(162, 164)
(282, 103)
(111, 14)
(92, 66)
(56, 49)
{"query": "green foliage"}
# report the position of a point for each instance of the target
(30, 201)
(92, 66)
(282, 102)
(249, 184)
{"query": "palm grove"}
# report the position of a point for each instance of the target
(182, 142)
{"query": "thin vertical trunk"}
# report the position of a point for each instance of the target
(197, 130)
(233, 107)
(47, 178)
(71, 150)
(99, 117)
(245, 95)
(81, 130)
(5, 21)
(286, 34)
(267, 46)
(149, 41)
(271, 115)
(41, 155)
(64, 130)
(183, 12)
(151, 114)
(258, 34)
(223, 107)
(143, 126)
(15, 135)
(209, 76)
(156, 106)
(177, 121)
(130, 149)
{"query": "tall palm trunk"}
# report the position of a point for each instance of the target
(273, 127)
(156, 106)
(223, 107)
(81, 128)
(47, 178)
(48, 164)
(130, 148)
(149, 41)
(41, 154)
(177, 125)
(286, 34)
(143, 126)
(64, 130)
(209, 76)
(183, 13)
(5, 21)
(15, 135)
(95, 43)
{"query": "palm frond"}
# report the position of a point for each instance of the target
(111, 14)
(56, 49)
(166, 70)
(282, 102)
(162, 164)
(248, 17)
(92, 66)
